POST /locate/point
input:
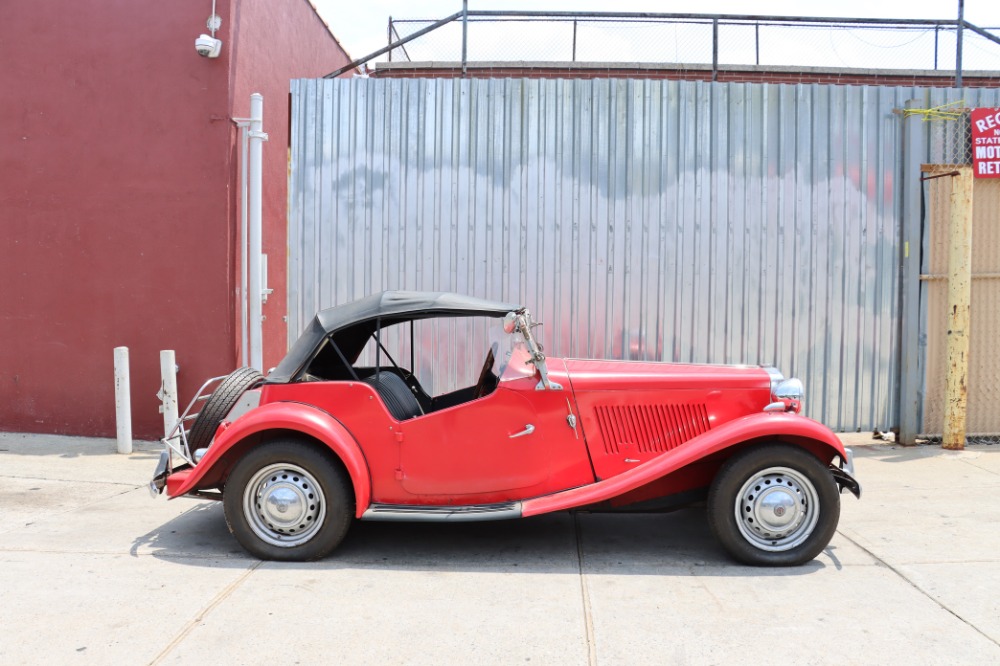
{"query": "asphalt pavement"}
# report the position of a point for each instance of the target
(93, 570)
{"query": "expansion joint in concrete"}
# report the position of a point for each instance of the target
(203, 613)
(933, 599)
(588, 617)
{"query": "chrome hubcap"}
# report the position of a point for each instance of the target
(777, 509)
(283, 505)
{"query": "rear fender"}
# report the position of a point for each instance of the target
(770, 427)
(276, 416)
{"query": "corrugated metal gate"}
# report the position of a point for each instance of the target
(641, 219)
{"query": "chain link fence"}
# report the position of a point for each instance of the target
(950, 132)
(677, 41)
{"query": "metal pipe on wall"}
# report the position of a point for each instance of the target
(244, 253)
(254, 232)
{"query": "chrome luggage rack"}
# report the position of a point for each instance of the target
(176, 440)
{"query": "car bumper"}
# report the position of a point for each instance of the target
(159, 479)
(844, 474)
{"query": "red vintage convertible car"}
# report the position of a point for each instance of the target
(374, 415)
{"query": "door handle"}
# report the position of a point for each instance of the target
(528, 429)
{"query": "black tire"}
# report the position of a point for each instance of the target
(219, 404)
(787, 500)
(288, 500)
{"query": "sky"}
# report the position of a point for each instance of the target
(361, 27)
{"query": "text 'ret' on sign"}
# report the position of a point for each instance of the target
(986, 142)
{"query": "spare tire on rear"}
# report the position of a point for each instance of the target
(219, 404)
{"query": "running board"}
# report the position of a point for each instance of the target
(442, 514)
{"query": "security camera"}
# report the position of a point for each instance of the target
(208, 46)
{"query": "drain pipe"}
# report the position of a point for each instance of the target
(255, 233)
(123, 401)
(244, 301)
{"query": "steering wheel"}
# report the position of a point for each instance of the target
(480, 389)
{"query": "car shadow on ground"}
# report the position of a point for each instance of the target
(898, 453)
(678, 544)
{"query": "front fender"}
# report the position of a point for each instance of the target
(771, 426)
(292, 416)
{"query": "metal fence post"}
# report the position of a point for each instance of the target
(756, 43)
(574, 41)
(123, 401)
(958, 44)
(715, 49)
(909, 367)
(937, 29)
(959, 297)
(465, 35)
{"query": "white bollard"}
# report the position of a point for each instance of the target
(123, 401)
(168, 390)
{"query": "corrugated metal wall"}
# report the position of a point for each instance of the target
(641, 219)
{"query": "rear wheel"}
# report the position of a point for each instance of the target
(775, 505)
(286, 500)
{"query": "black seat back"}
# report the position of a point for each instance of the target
(396, 395)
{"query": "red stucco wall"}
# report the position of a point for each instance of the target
(118, 196)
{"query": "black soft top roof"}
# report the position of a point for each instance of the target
(393, 303)
(388, 307)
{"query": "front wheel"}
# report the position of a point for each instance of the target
(775, 505)
(286, 500)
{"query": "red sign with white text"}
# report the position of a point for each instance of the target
(986, 142)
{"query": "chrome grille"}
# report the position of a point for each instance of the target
(650, 428)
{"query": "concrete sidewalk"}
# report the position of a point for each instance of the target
(94, 571)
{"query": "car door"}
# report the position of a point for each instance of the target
(512, 444)
(492, 445)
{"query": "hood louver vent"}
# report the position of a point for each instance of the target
(650, 428)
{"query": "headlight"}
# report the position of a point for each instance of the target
(789, 389)
(786, 394)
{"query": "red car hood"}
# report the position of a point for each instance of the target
(589, 375)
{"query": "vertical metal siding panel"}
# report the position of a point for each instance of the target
(802, 241)
(767, 310)
(817, 370)
(784, 226)
(673, 294)
(720, 229)
(862, 333)
(333, 239)
(736, 179)
(688, 193)
(617, 178)
(704, 131)
(649, 297)
(755, 222)
(679, 221)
